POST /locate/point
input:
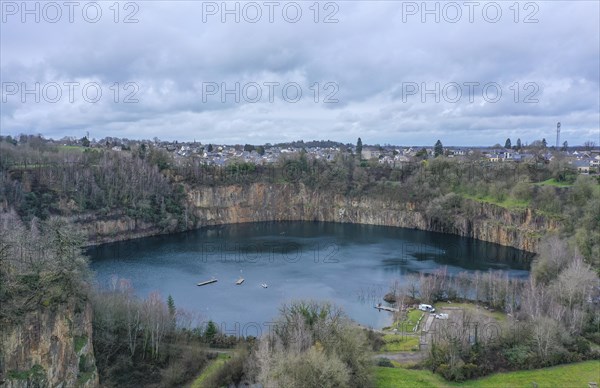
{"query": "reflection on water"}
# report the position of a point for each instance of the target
(351, 265)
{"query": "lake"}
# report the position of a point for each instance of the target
(350, 265)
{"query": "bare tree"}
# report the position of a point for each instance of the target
(545, 336)
(575, 283)
(412, 286)
(553, 256)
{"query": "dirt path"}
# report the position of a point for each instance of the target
(404, 357)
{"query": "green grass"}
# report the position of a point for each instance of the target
(571, 375)
(69, 148)
(497, 315)
(79, 343)
(400, 377)
(400, 343)
(36, 372)
(553, 182)
(408, 324)
(210, 369)
(507, 203)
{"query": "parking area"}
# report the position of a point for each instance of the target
(464, 322)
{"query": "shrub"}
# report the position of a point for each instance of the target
(470, 370)
(384, 362)
(375, 340)
(231, 373)
(522, 191)
(517, 356)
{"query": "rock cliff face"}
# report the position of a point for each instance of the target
(49, 347)
(287, 202)
(114, 227)
(54, 347)
(261, 202)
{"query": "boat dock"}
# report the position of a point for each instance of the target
(386, 308)
(207, 282)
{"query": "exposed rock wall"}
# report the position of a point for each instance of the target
(114, 227)
(50, 347)
(54, 347)
(287, 202)
(262, 202)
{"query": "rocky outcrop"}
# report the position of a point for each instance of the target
(49, 347)
(233, 204)
(113, 227)
(262, 202)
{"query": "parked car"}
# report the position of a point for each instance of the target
(426, 307)
(441, 316)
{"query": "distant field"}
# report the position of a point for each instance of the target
(68, 148)
(553, 182)
(508, 203)
(567, 376)
(471, 307)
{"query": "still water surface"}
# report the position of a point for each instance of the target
(351, 265)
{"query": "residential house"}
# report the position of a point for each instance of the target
(582, 166)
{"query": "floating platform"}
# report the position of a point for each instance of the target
(386, 308)
(207, 282)
(239, 281)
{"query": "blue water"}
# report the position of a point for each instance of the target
(350, 265)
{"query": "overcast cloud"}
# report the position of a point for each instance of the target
(369, 66)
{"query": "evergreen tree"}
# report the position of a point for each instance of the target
(142, 151)
(210, 148)
(359, 147)
(211, 330)
(172, 312)
(171, 306)
(438, 149)
(518, 146)
(565, 146)
(544, 143)
(507, 144)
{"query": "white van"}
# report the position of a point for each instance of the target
(426, 307)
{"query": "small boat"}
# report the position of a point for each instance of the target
(264, 285)
(240, 279)
(213, 280)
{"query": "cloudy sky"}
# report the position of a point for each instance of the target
(255, 72)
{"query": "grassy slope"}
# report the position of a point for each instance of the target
(210, 369)
(408, 324)
(553, 182)
(74, 149)
(508, 203)
(400, 343)
(497, 315)
(572, 375)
